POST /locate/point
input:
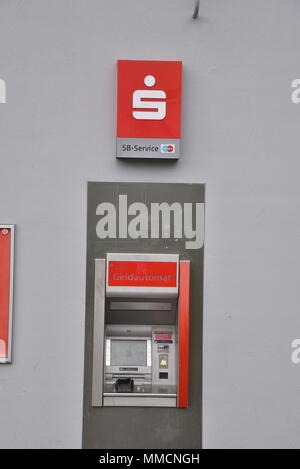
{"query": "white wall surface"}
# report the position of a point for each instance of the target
(240, 136)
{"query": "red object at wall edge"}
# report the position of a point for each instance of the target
(184, 330)
(5, 288)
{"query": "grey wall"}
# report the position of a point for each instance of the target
(240, 136)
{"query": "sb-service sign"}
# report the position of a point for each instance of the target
(149, 109)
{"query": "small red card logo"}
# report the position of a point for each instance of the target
(149, 99)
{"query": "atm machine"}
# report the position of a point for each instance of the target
(141, 331)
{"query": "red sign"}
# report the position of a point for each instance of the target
(149, 108)
(184, 334)
(5, 289)
(163, 336)
(142, 274)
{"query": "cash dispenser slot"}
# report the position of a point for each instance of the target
(124, 385)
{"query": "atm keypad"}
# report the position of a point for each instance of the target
(164, 357)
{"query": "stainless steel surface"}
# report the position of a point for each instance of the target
(131, 330)
(149, 389)
(139, 306)
(142, 395)
(112, 401)
(98, 340)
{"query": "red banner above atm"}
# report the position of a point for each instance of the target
(149, 109)
(6, 286)
(138, 275)
(142, 274)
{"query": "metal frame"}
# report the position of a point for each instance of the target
(139, 401)
(8, 360)
(98, 340)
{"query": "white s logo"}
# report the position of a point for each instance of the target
(158, 108)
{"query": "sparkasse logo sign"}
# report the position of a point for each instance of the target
(149, 109)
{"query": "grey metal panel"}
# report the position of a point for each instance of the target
(139, 306)
(98, 338)
(141, 317)
(115, 330)
(139, 402)
(140, 395)
(161, 427)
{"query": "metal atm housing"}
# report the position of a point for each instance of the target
(141, 331)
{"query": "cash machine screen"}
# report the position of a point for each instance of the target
(128, 352)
